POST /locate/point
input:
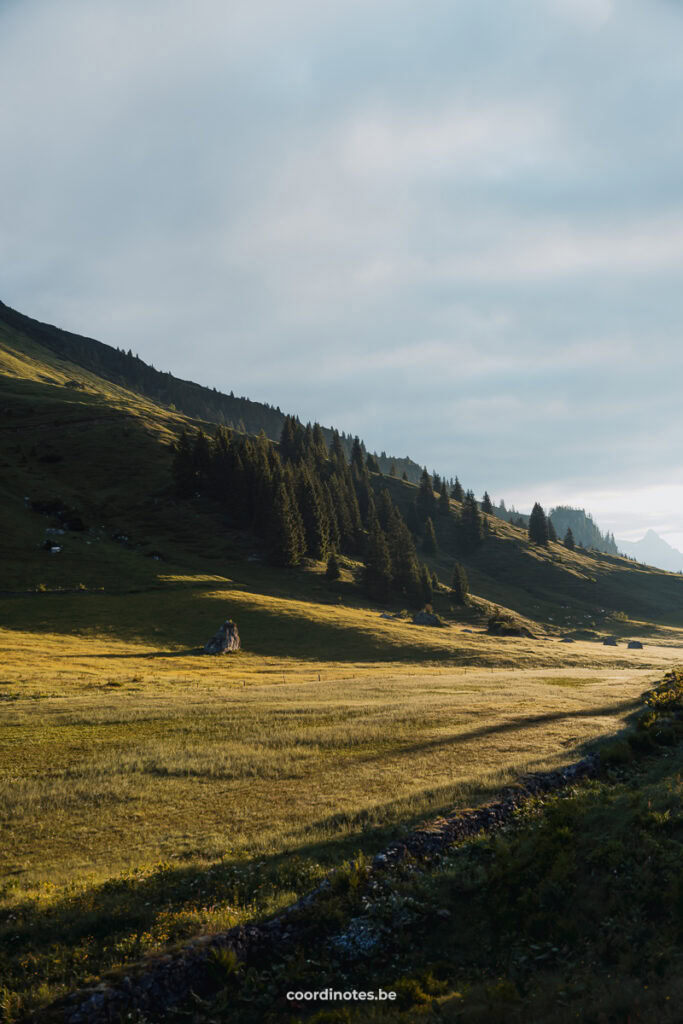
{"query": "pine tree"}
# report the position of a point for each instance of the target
(486, 504)
(552, 533)
(357, 454)
(444, 503)
(313, 514)
(460, 586)
(333, 572)
(284, 541)
(426, 584)
(385, 508)
(569, 541)
(404, 476)
(457, 493)
(288, 439)
(470, 523)
(538, 525)
(372, 463)
(392, 469)
(429, 538)
(426, 501)
(337, 454)
(377, 572)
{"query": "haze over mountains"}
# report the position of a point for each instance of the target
(653, 550)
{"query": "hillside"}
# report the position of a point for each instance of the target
(130, 372)
(585, 531)
(77, 444)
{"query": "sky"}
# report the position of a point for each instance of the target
(454, 228)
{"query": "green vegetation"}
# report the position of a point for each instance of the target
(570, 913)
(539, 532)
(149, 793)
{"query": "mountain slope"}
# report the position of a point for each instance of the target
(129, 371)
(77, 445)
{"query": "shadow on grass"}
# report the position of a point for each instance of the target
(285, 632)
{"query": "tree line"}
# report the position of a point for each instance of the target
(304, 499)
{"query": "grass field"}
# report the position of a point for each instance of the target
(148, 793)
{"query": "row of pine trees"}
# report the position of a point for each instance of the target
(302, 499)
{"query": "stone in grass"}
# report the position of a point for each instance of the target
(225, 640)
(426, 618)
(635, 645)
(609, 641)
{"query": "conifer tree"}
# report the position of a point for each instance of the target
(313, 514)
(288, 439)
(426, 584)
(460, 587)
(538, 525)
(444, 503)
(337, 454)
(332, 517)
(552, 533)
(363, 489)
(569, 541)
(333, 572)
(290, 484)
(392, 469)
(487, 504)
(385, 508)
(426, 501)
(372, 463)
(284, 541)
(457, 493)
(377, 572)
(470, 523)
(429, 538)
(404, 476)
(357, 454)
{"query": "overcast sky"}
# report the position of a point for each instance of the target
(455, 228)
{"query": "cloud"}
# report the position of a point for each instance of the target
(455, 229)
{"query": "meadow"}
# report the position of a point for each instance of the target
(149, 793)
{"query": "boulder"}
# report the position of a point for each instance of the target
(225, 640)
(609, 641)
(427, 619)
(635, 645)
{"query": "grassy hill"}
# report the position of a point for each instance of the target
(148, 793)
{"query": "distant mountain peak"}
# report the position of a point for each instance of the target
(653, 550)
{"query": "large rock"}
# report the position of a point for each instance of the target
(635, 645)
(225, 640)
(427, 619)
